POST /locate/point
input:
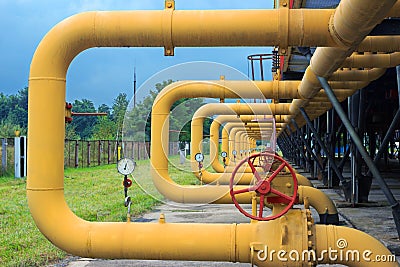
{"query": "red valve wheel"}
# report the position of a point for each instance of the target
(127, 183)
(263, 186)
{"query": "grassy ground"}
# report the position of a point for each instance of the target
(94, 194)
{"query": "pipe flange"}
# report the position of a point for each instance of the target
(312, 261)
(335, 35)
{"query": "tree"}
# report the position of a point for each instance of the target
(84, 124)
(119, 107)
(104, 109)
(138, 120)
(70, 132)
(14, 109)
(105, 129)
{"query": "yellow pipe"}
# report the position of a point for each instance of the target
(349, 244)
(222, 109)
(348, 27)
(321, 202)
(302, 180)
(45, 190)
(380, 44)
(357, 75)
(372, 61)
(214, 132)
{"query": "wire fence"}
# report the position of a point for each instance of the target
(84, 153)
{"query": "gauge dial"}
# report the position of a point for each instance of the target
(199, 157)
(234, 152)
(224, 154)
(126, 166)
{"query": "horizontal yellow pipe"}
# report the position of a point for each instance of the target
(372, 61)
(387, 44)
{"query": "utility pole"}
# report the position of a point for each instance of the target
(134, 86)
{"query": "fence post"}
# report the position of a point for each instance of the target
(76, 154)
(4, 155)
(99, 154)
(108, 152)
(88, 153)
(69, 152)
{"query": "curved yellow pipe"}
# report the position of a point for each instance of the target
(348, 27)
(321, 202)
(214, 137)
(301, 179)
(350, 247)
(45, 154)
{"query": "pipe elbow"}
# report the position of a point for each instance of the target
(321, 203)
(357, 249)
(302, 180)
(58, 223)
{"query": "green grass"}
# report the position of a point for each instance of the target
(94, 194)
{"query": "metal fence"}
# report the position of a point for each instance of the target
(7, 156)
(82, 153)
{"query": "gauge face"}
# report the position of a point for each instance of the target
(223, 154)
(234, 152)
(126, 166)
(199, 157)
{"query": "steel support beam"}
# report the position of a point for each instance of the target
(299, 148)
(320, 167)
(387, 138)
(395, 205)
(323, 146)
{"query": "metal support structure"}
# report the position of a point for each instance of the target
(292, 150)
(330, 135)
(299, 148)
(398, 80)
(395, 205)
(387, 138)
(307, 147)
(323, 146)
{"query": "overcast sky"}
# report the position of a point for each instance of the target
(99, 74)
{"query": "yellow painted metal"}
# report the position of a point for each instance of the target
(211, 109)
(372, 61)
(45, 184)
(380, 44)
(317, 199)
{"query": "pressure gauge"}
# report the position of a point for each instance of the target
(199, 157)
(126, 166)
(234, 152)
(224, 154)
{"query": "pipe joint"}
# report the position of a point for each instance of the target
(335, 35)
(283, 29)
(167, 27)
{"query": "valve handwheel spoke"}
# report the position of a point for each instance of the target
(245, 190)
(278, 193)
(276, 172)
(253, 170)
(264, 187)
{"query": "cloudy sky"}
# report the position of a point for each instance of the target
(99, 74)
